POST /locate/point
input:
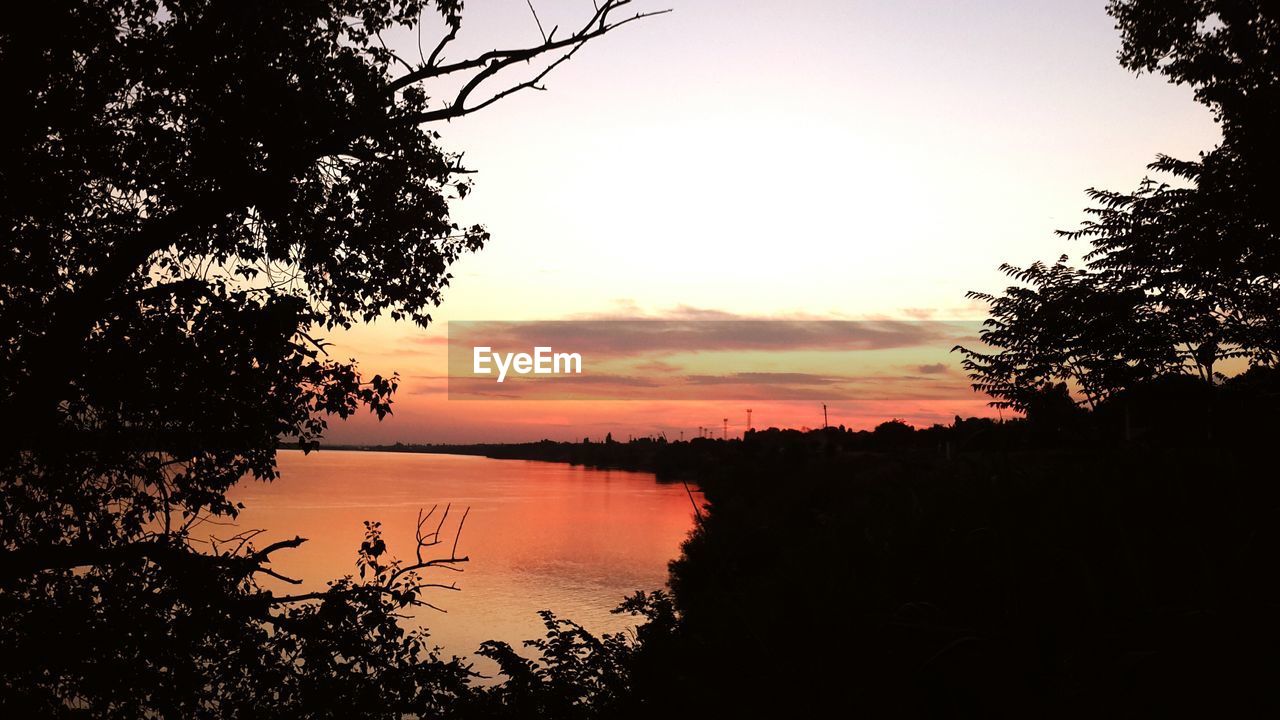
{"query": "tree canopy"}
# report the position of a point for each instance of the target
(1182, 272)
(191, 194)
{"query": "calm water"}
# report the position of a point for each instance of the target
(539, 535)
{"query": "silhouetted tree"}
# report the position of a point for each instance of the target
(1181, 274)
(894, 434)
(1064, 325)
(191, 194)
(1217, 236)
(1228, 52)
(1172, 252)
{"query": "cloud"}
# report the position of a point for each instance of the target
(631, 310)
(719, 359)
(763, 378)
(779, 386)
(646, 338)
(657, 367)
(577, 387)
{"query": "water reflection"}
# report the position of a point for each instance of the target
(539, 535)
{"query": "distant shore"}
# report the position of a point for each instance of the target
(637, 455)
(698, 458)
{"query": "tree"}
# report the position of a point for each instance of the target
(191, 194)
(1183, 273)
(1227, 223)
(1064, 325)
(1226, 51)
(1184, 257)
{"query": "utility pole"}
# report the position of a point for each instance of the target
(726, 429)
(748, 419)
(824, 416)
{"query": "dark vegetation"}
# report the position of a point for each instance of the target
(192, 194)
(1176, 410)
(1072, 563)
(1110, 580)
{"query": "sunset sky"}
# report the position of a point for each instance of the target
(747, 159)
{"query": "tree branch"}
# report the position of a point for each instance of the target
(495, 61)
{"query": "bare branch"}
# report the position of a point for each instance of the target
(458, 108)
(494, 61)
(304, 597)
(263, 555)
(435, 54)
(539, 22)
(421, 57)
(278, 576)
(463, 521)
(436, 535)
(403, 584)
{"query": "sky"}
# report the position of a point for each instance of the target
(812, 159)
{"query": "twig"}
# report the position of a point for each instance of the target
(697, 511)
(539, 22)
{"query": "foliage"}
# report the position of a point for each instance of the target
(1071, 582)
(1064, 325)
(191, 194)
(1180, 274)
(578, 675)
(1225, 51)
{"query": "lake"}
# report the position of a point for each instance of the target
(539, 535)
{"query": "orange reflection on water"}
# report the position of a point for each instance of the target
(539, 535)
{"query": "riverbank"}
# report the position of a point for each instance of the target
(699, 458)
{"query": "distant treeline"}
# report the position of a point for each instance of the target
(1175, 411)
